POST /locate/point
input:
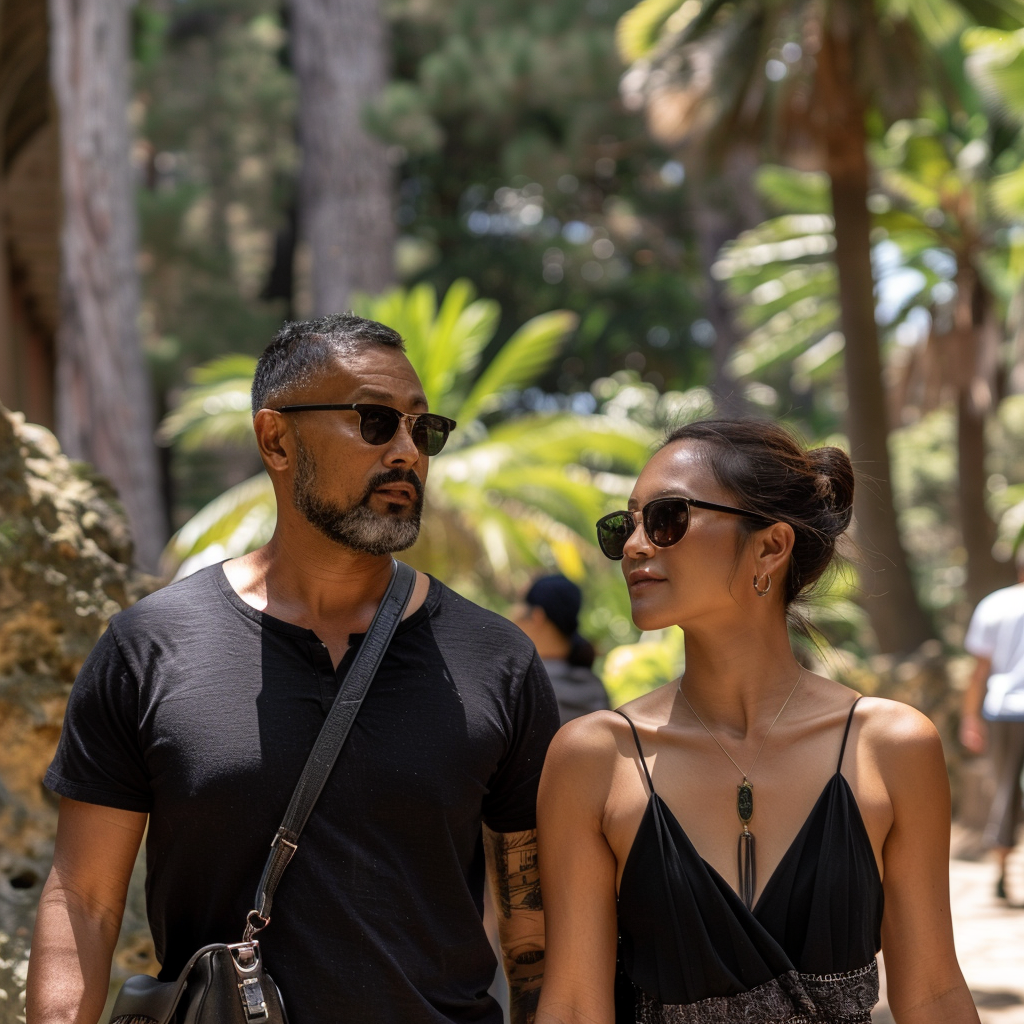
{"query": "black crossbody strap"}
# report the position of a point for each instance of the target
(332, 737)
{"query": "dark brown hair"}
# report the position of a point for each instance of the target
(769, 471)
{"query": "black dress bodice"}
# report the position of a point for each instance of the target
(805, 952)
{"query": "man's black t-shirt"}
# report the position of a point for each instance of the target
(200, 710)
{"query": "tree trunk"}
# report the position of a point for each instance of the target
(725, 204)
(888, 593)
(974, 317)
(984, 573)
(9, 375)
(339, 51)
(104, 406)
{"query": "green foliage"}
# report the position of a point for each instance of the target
(640, 28)
(937, 211)
(445, 345)
(522, 166)
(216, 107)
(521, 169)
(216, 409)
(239, 520)
(995, 62)
(631, 670)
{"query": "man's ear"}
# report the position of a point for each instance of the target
(272, 428)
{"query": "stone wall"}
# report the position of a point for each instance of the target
(65, 569)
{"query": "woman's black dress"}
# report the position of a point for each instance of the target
(805, 953)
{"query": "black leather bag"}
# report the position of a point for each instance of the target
(221, 983)
(226, 983)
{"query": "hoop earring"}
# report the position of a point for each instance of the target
(763, 593)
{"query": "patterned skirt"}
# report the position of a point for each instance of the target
(791, 998)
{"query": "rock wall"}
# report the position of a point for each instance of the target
(65, 569)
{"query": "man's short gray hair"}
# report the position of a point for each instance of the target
(303, 349)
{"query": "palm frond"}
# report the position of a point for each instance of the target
(234, 366)
(938, 21)
(211, 415)
(995, 64)
(632, 670)
(792, 191)
(444, 344)
(639, 28)
(597, 442)
(239, 520)
(1004, 14)
(1008, 194)
(527, 354)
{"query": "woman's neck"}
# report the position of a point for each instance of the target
(736, 680)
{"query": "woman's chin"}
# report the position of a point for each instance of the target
(649, 619)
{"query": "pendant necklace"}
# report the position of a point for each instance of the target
(744, 802)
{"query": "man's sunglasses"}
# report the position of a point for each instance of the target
(665, 520)
(378, 424)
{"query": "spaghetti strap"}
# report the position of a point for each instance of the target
(846, 735)
(639, 749)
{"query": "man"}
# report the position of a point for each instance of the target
(199, 705)
(993, 709)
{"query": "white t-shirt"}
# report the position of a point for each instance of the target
(997, 632)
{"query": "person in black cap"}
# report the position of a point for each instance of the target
(549, 616)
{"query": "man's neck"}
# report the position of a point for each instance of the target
(318, 585)
(322, 578)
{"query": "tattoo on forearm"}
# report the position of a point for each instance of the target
(517, 879)
(519, 907)
(523, 1004)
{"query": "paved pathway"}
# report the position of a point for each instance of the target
(989, 938)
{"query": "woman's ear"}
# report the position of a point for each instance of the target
(772, 548)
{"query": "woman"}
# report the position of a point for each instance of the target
(549, 616)
(764, 830)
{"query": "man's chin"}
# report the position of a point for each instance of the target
(383, 537)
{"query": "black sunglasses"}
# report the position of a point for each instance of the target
(378, 424)
(665, 520)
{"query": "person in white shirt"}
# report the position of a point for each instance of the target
(993, 709)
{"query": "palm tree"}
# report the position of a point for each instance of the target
(508, 494)
(937, 204)
(934, 213)
(706, 68)
(995, 64)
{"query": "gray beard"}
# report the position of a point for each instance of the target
(357, 527)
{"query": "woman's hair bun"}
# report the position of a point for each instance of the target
(835, 483)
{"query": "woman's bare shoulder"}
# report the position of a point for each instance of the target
(588, 739)
(887, 721)
(581, 765)
(594, 745)
(901, 739)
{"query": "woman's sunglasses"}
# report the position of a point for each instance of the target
(665, 520)
(378, 424)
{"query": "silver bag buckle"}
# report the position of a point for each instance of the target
(253, 1003)
(246, 958)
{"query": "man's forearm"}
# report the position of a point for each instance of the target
(69, 968)
(974, 695)
(512, 862)
(525, 972)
